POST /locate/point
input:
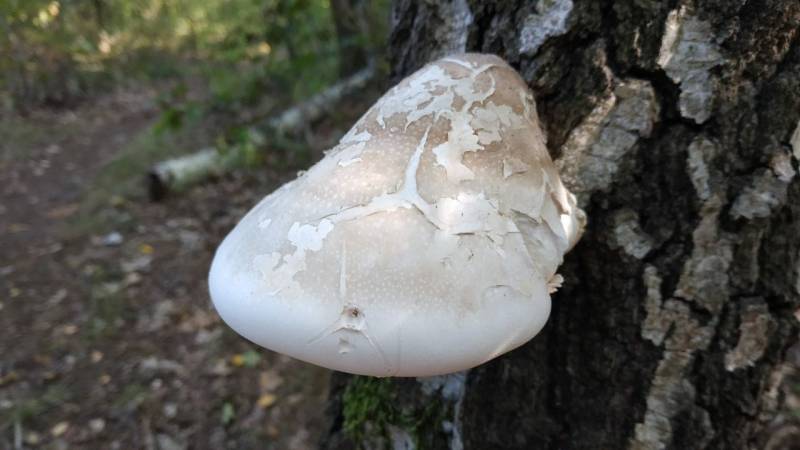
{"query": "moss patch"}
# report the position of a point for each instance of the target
(371, 405)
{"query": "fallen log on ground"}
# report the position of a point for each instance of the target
(181, 172)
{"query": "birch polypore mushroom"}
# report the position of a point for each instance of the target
(426, 242)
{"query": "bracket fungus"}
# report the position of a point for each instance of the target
(426, 242)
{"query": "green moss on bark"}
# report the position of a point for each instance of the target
(372, 408)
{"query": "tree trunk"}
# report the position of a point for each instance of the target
(348, 20)
(676, 124)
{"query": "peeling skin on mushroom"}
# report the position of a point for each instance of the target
(426, 242)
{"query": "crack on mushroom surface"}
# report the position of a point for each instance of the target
(351, 322)
(439, 220)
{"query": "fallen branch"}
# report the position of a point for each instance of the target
(175, 174)
(178, 173)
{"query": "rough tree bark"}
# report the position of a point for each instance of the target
(677, 123)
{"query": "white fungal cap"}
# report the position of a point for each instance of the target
(426, 242)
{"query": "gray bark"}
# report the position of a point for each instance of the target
(676, 124)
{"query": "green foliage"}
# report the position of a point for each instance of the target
(176, 110)
(240, 146)
(61, 49)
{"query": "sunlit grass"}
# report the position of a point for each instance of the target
(56, 44)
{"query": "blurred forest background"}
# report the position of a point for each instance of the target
(111, 113)
(107, 336)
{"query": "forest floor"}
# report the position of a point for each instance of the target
(108, 339)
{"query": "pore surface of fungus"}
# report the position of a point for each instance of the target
(426, 242)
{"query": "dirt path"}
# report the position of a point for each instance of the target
(44, 167)
(108, 340)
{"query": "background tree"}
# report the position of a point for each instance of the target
(348, 17)
(676, 124)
